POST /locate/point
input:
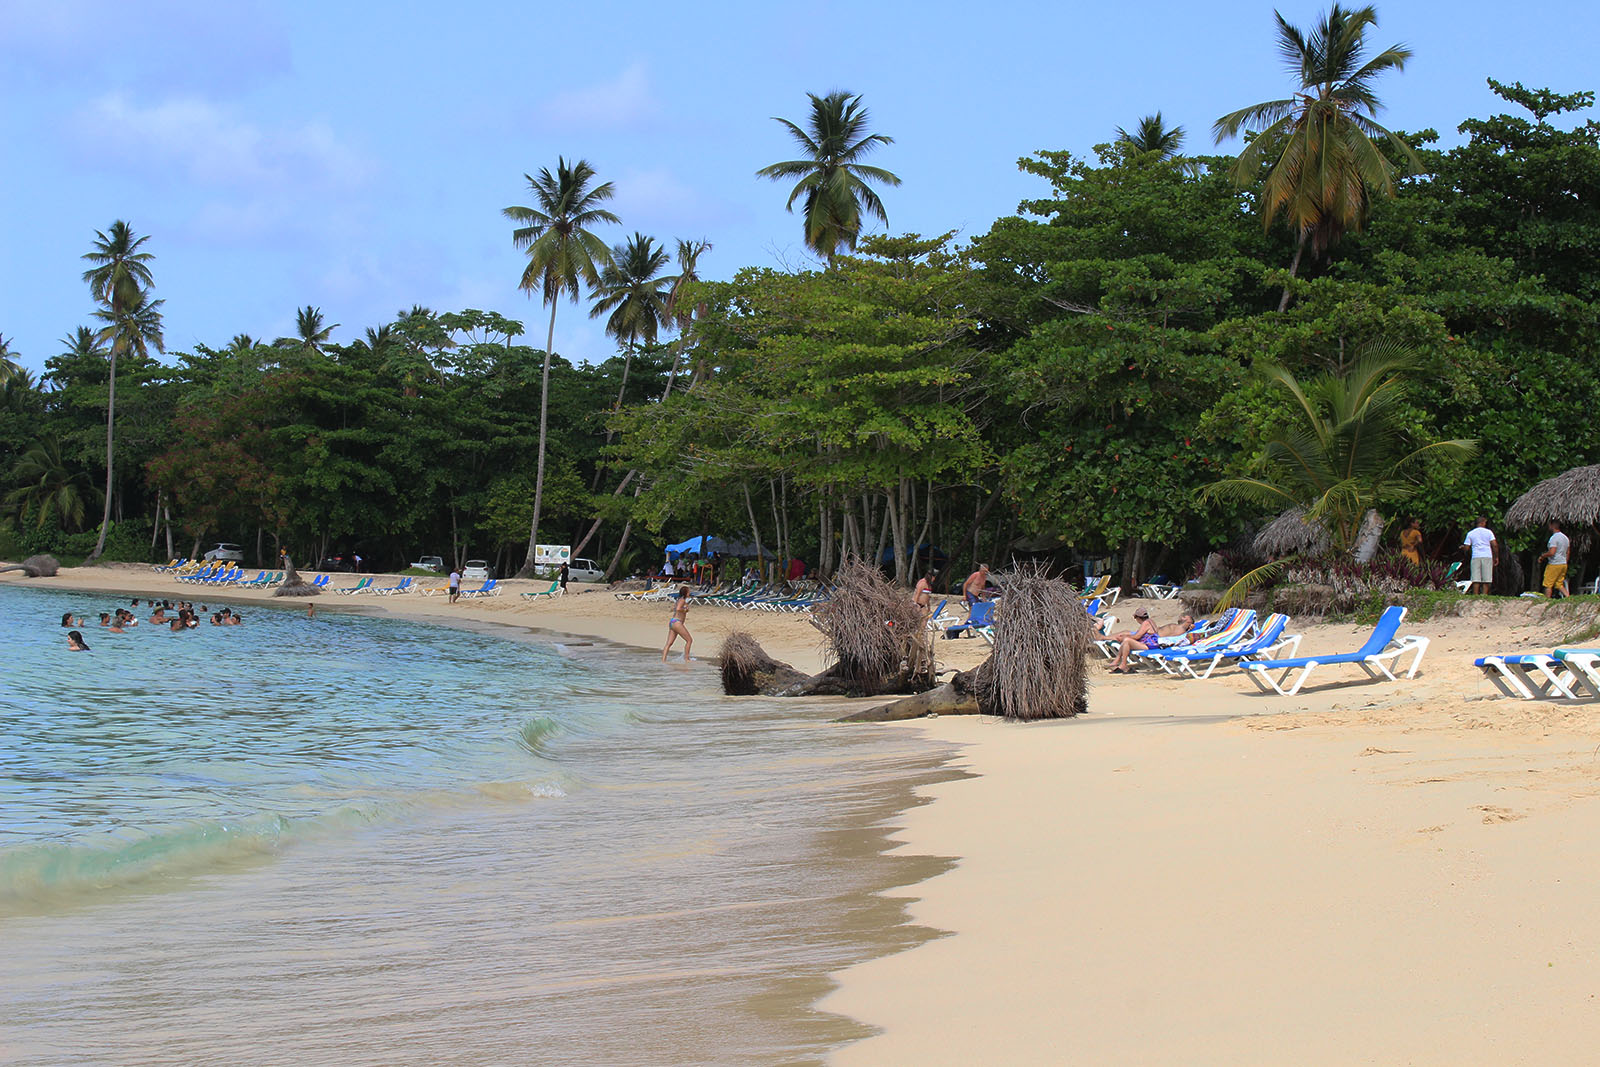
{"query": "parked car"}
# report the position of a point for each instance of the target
(584, 570)
(477, 570)
(225, 551)
(429, 563)
(336, 563)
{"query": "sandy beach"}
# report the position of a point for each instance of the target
(1193, 872)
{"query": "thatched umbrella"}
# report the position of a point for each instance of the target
(1291, 534)
(1573, 498)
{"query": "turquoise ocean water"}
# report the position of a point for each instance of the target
(367, 840)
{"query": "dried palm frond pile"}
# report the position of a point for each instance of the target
(1042, 636)
(877, 637)
(293, 584)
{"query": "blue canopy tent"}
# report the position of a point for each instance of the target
(721, 546)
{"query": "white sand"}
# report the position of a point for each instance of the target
(1194, 873)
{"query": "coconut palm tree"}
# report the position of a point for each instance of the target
(679, 310)
(832, 177)
(1316, 147)
(562, 252)
(8, 361)
(309, 329)
(1347, 456)
(50, 488)
(119, 281)
(634, 291)
(1152, 138)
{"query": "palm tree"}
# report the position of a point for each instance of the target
(50, 489)
(561, 253)
(679, 310)
(1317, 146)
(831, 177)
(8, 361)
(119, 281)
(634, 291)
(309, 329)
(1152, 138)
(1349, 453)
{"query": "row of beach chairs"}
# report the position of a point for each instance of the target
(1267, 654)
(1561, 674)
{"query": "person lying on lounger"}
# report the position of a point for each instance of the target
(1145, 635)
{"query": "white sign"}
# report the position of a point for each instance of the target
(553, 555)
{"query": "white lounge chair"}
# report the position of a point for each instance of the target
(1535, 675)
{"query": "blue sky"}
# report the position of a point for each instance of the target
(356, 156)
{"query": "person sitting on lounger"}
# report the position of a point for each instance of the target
(1145, 635)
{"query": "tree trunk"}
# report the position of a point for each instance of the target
(544, 421)
(600, 464)
(1294, 270)
(155, 527)
(578, 551)
(1371, 532)
(166, 511)
(111, 422)
(622, 545)
(755, 529)
(977, 524)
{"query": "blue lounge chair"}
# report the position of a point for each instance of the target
(1268, 643)
(489, 588)
(1535, 675)
(1382, 649)
(982, 615)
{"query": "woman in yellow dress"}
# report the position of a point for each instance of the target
(1411, 541)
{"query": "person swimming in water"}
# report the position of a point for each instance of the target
(71, 620)
(678, 625)
(76, 643)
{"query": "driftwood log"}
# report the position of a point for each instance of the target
(958, 696)
(35, 567)
(747, 670)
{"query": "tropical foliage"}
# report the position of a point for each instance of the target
(1065, 383)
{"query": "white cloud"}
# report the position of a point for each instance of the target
(215, 147)
(625, 101)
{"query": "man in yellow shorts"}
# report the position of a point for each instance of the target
(1555, 571)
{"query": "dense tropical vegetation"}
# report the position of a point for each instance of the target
(1070, 383)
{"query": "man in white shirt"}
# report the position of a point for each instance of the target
(1485, 554)
(1555, 553)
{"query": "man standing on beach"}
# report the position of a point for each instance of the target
(1556, 552)
(1485, 554)
(975, 588)
(455, 583)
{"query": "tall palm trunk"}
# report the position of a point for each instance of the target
(111, 421)
(538, 478)
(1294, 270)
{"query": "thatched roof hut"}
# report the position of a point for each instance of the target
(1572, 498)
(1292, 534)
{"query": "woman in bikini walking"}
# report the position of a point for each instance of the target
(678, 625)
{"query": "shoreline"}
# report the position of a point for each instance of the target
(1194, 872)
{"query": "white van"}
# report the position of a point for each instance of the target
(584, 570)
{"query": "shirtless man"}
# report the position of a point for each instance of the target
(974, 588)
(1144, 636)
